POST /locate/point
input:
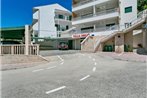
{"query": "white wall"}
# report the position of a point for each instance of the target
(127, 17)
(137, 39)
(46, 21)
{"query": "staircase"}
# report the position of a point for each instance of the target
(142, 16)
(87, 44)
(69, 32)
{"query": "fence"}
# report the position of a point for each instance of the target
(19, 49)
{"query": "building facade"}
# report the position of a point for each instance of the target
(50, 20)
(103, 17)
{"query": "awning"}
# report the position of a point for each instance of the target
(12, 33)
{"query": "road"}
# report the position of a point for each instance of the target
(77, 75)
(58, 52)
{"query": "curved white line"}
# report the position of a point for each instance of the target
(94, 69)
(60, 58)
(95, 63)
(51, 67)
(37, 70)
(62, 63)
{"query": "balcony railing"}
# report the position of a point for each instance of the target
(83, 2)
(97, 14)
(115, 27)
(18, 49)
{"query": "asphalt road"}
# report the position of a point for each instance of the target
(77, 76)
(57, 52)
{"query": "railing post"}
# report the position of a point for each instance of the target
(0, 49)
(37, 50)
(12, 49)
(26, 40)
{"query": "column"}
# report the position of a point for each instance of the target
(75, 44)
(119, 43)
(145, 39)
(94, 10)
(94, 27)
(27, 37)
(128, 39)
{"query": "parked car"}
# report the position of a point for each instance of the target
(9, 42)
(63, 46)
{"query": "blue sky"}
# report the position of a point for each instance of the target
(19, 12)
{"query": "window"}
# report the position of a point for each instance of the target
(69, 18)
(67, 27)
(58, 27)
(87, 29)
(61, 17)
(128, 9)
(110, 26)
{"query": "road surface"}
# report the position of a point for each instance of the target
(77, 75)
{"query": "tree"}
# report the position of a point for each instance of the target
(142, 4)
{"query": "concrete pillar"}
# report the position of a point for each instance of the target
(94, 10)
(75, 44)
(145, 39)
(27, 39)
(119, 43)
(128, 39)
(94, 27)
(0, 49)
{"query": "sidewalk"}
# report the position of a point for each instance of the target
(9, 62)
(125, 56)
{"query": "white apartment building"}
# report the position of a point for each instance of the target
(50, 20)
(103, 17)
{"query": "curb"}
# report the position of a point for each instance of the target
(122, 59)
(44, 58)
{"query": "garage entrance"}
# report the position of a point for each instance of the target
(70, 44)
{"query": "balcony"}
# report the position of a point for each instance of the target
(82, 2)
(86, 3)
(63, 18)
(100, 29)
(111, 13)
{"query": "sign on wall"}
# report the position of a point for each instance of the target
(80, 35)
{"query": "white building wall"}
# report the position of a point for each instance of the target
(46, 20)
(120, 16)
(47, 23)
(127, 17)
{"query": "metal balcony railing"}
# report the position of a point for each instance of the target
(105, 12)
(115, 27)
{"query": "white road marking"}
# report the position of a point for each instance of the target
(93, 59)
(94, 69)
(85, 78)
(60, 58)
(83, 54)
(37, 70)
(95, 63)
(62, 63)
(51, 67)
(54, 90)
